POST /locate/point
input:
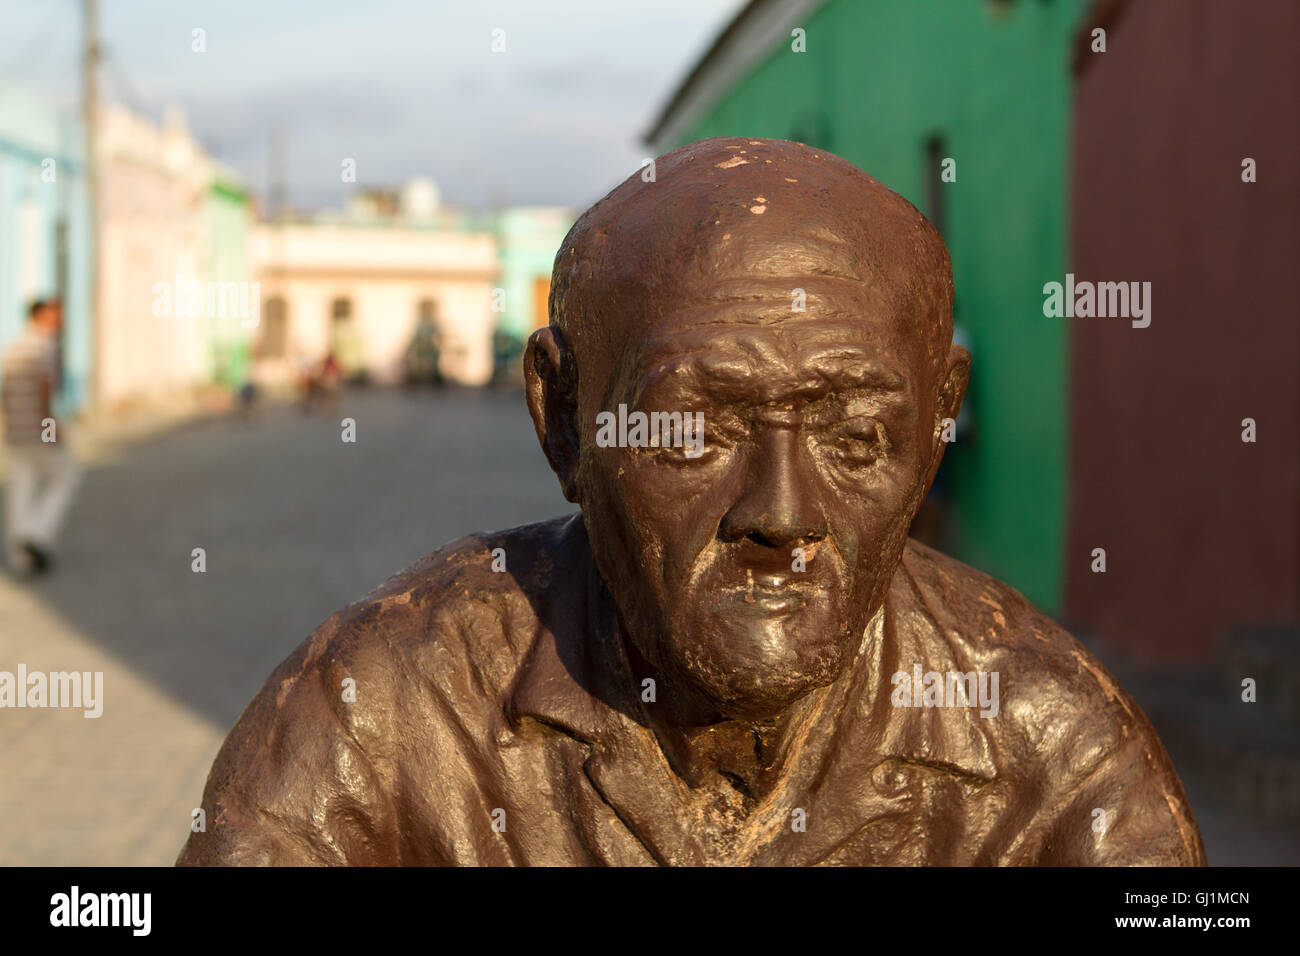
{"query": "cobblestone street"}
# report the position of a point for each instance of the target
(295, 524)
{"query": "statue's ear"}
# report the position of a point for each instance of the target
(954, 384)
(948, 402)
(551, 393)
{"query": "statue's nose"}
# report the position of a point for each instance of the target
(778, 506)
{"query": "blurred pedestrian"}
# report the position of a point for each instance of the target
(322, 383)
(42, 474)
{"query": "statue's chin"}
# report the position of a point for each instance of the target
(762, 685)
(742, 660)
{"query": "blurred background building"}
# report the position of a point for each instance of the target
(358, 285)
(273, 296)
(170, 216)
(528, 238)
(44, 227)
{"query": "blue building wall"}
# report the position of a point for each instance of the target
(32, 208)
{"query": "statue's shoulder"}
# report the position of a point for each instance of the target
(1065, 729)
(978, 608)
(481, 572)
(399, 686)
(471, 606)
(994, 628)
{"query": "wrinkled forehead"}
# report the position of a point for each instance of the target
(784, 318)
(783, 363)
(773, 296)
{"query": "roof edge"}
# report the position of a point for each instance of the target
(750, 35)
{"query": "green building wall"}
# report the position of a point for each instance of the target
(877, 82)
(527, 239)
(228, 220)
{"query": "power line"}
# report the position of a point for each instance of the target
(122, 84)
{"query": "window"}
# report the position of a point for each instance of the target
(935, 152)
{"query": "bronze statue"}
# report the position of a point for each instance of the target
(734, 654)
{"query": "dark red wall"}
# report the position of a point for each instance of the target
(1201, 531)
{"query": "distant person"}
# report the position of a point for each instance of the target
(42, 475)
(247, 396)
(331, 376)
(321, 384)
(423, 352)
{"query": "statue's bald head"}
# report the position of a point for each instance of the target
(749, 221)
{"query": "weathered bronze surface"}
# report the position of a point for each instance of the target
(731, 658)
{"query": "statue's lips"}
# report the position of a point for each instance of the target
(767, 594)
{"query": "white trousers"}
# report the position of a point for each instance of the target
(43, 477)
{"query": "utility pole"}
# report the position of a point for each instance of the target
(275, 189)
(90, 115)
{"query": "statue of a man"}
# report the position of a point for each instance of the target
(734, 654)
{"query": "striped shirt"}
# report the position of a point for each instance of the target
(28, 380)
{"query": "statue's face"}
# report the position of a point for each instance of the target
(751, 571)
(800, 308)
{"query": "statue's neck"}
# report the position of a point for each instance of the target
(745, 754)
(706, 748)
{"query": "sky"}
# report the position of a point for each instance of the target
(405, 88)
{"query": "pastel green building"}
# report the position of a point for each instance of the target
(227, 221)
(527, 239)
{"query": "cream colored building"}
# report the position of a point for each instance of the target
(157, 235)
(358, 286)
(151, 187)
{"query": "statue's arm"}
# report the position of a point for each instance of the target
(291, 784)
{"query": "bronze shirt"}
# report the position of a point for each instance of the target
(479, 691)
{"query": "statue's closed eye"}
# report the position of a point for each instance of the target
(856, 443)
